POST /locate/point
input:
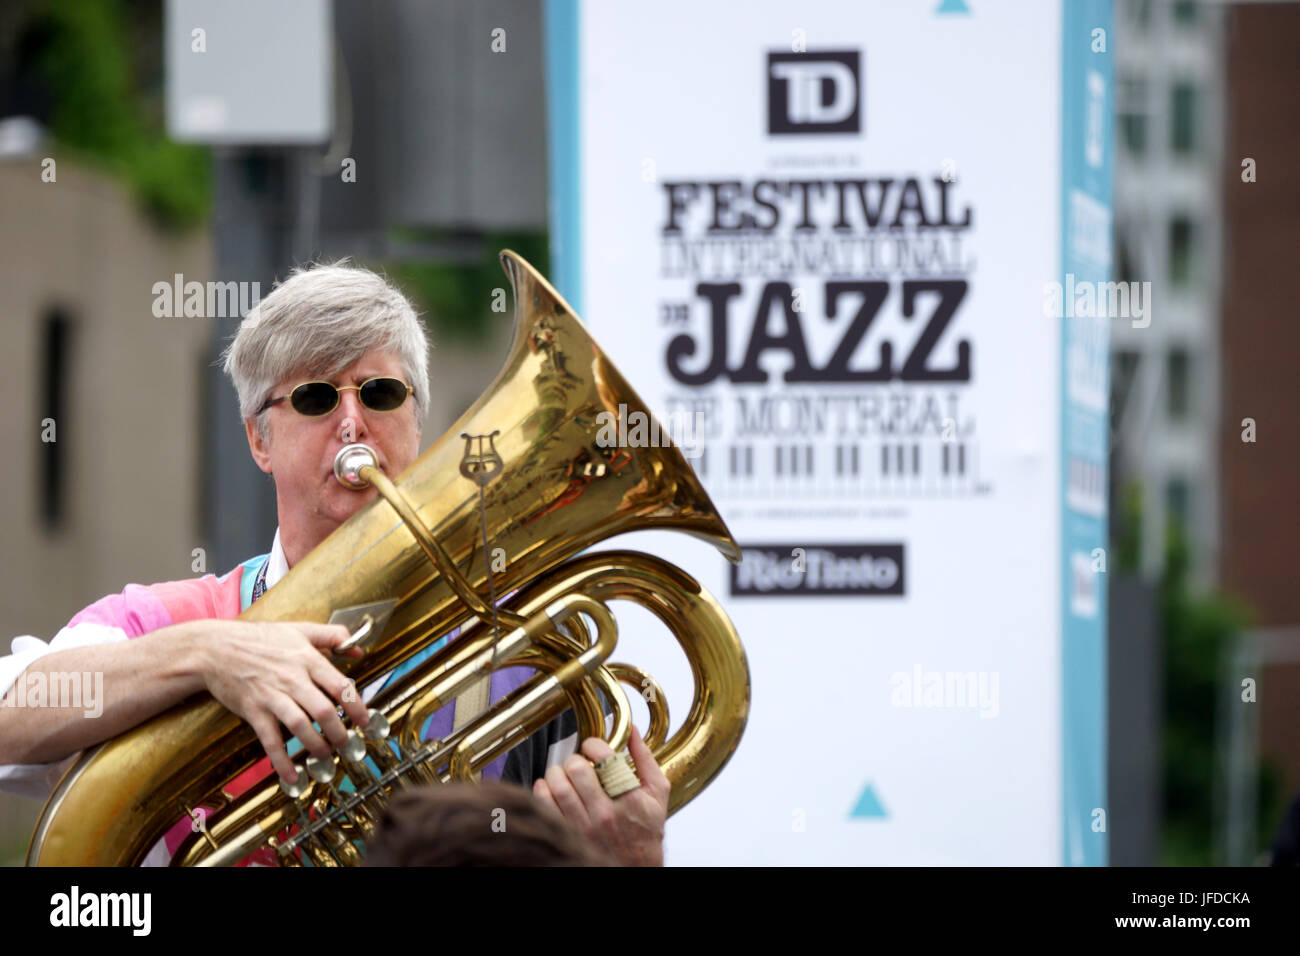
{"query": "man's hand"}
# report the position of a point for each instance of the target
(631, 828)
(276, 673)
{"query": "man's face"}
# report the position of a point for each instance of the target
(299, 451)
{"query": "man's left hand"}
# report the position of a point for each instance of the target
(631, 828)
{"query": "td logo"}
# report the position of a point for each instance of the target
(814, 92)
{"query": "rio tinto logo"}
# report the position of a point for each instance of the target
(818, 569)
(814, 92)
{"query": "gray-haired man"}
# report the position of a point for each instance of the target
(333, 355)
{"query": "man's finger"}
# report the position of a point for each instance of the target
(567, 800)
(269, 734)
(325, 636)
(342, 689)
(288, 712)
(583, 777)
(543, 793)
(323, 711)
(647, 768)
(597, 749)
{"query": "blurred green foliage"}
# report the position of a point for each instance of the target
(1201, 632)
(1127, 527)
(457, 298)
(100, 111)
(1199, 636)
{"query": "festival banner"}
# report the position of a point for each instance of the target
(816, 239)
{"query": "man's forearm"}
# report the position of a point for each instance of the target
(140, 678)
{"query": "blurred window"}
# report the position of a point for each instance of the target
(1139, 13)
(1185, 13)
(1123, 375)
(1124, 268)
(1179, 385)
(1183, 132)
(1180, 250)
(1132, 108)
(1134, 130)
(55, 333)
(1177, 501)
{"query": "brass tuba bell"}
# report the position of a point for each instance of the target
(524, 470)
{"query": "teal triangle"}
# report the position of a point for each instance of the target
(953, 6)
(869, 805)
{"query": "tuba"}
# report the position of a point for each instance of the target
(503, 502)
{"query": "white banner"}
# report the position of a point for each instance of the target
(825, 229)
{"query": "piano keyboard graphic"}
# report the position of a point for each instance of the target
(908, 468)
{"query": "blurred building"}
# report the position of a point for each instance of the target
(1260, 345)
(1201, 89)
(1260, 348)
(1169, 181)
(114, 493)
(1165, 401)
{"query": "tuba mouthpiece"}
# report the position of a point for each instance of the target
(349, 462)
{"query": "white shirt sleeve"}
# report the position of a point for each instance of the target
(38, 780)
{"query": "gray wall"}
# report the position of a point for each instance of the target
(1133, 745)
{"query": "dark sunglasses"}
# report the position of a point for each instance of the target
(321, 398)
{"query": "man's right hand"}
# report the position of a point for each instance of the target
(277, 673)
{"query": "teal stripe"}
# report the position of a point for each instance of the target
(251, 568)
(1083, 640)
(564, 120)
(403, 669)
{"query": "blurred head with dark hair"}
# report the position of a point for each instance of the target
(488, 824)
